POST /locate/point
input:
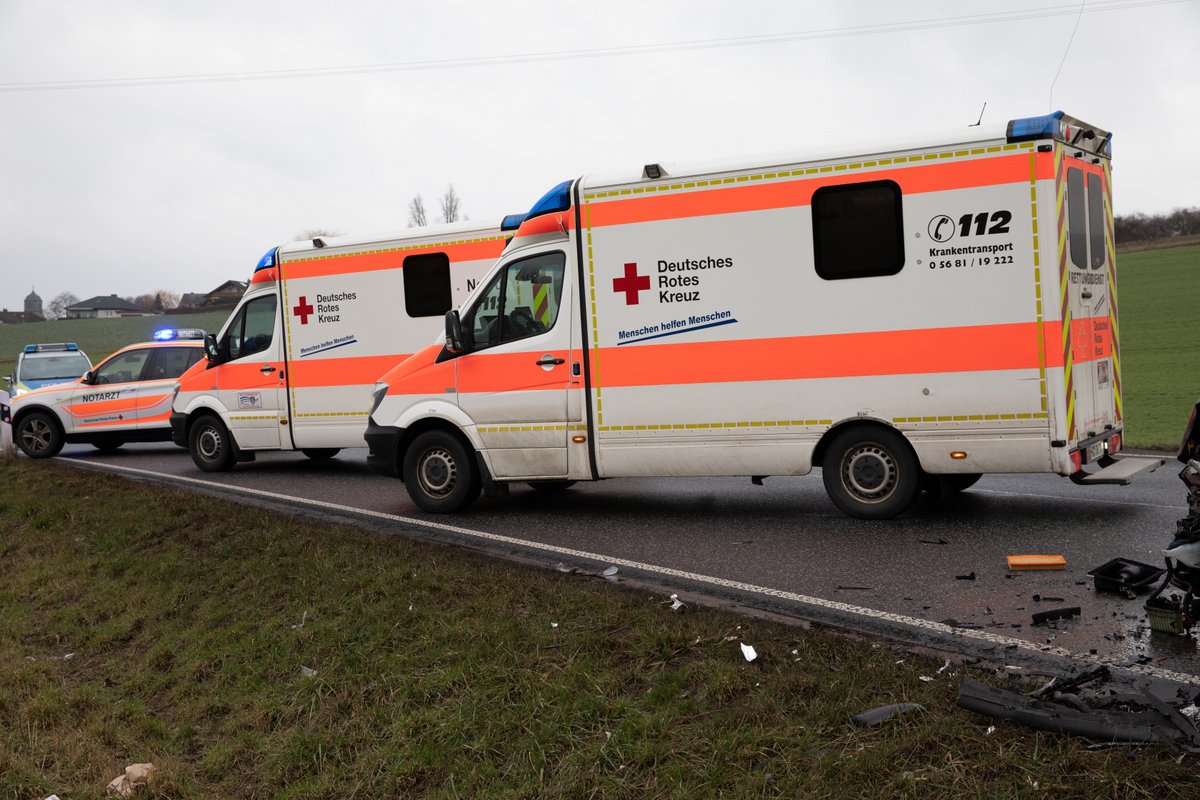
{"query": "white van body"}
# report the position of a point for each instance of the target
(293, 367)
(907, 316)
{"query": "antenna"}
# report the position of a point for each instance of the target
(976, 125)
(1068, 50)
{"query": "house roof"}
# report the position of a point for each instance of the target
(104, 303)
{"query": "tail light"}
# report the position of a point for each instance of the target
(1076, 460)
(1114, 444)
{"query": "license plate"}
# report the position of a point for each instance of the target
(1095, 451)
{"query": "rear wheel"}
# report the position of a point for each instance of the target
(320, 453)
(38, 435)
(440, 474)
(211, 445)
(948, 485)
(871, 473)
(107, 447)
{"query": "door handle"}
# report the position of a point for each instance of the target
(267, 369)
(549, 361)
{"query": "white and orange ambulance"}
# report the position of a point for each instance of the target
(905, 316)
(293, 367)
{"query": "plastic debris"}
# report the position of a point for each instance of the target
(970, 576)
(1037, 562)
(564, 568)
(675, 604)
(925, 678)
(875, 716)
(610, 574)
(933, 541)
(134, 777)
(300, 624)
(553, 624)
(307, 672)
(945, 667)
(749, 652)
(1055, 613)
(990, 730)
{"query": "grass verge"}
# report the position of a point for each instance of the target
(440, 673)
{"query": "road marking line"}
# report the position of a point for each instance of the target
(831, 605)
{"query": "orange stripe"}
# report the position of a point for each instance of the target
(342, 371)
(420, 375)
(163, 417)
(488, 250)
(102, 407)
(784, 194)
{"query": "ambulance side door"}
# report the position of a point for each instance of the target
(250, 379)
(515, 381)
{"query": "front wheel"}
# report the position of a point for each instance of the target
(871, 473)
(320, 453)
(38, 435)
(440, 474)
(211, 445)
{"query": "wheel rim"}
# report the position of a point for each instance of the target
(869, 473)
(36, 435)
(209, 443)
(437, 472)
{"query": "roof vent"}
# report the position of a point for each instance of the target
(652, 172)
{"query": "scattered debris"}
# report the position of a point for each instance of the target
(553, 624)
(857, 588)
(970, 576)
(134, 777)
(307, 672)
(300, 624)
(875, 716)
(990, 730)
(944, 667)
(933, 541)
(1056, 613)
(676, 605)
(749, 652)
(1037, 562)
(610, 574)
(953, 623)
(925, 679)
(1120, 575)
(1037, 598)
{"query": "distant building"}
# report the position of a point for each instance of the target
(17, 317)
(226, 295)
(33, 306)
(104, 307)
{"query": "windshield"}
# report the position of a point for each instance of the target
(44, 368)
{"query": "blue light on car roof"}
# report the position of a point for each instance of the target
(512, 222)
(268, 260)
(31, 348)
(164, 334)
(557, 199)
(1029, 128)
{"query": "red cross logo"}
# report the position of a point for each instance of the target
(631, 284)
(304, 309)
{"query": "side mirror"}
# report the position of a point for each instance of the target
(89, 377)
(212, 349)
(8, 379)
(454, 333)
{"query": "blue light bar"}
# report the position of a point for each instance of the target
(31, 348)
(268, 260)
(1030, 128)
(46, 348)
(512, 222)
(167, 334)
(164, 334)
(557, 199)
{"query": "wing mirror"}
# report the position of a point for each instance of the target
(212, 349)
(89, 377)
(454, 333)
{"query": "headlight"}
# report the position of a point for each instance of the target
(377, 395)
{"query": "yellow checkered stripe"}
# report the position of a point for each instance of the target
(333, 414)
(1110, 243)
(810, 171)
(1037, 279)
(244, 417)
(694, 426)
(974, 417)
(528, 428)
(399, 249)
(1060, 193)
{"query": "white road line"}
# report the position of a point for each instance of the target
(976, 489)
(765, 591)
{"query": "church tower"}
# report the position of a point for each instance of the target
(33, 305)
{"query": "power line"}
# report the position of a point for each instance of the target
(589, 53)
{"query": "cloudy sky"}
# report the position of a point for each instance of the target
(124, 170)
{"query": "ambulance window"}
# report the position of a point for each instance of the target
(123, 368)
(858, 230)
(427, 285)
(1096, 219)
(1076, 217)
(253, 328)
(521, 301)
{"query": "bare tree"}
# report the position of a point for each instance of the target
(450, 205)
(417, 218)
(58, 306)
(314, 233)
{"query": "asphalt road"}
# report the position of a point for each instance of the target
(784, 548)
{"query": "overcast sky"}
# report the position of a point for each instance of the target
(183, 184)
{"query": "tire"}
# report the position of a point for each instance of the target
(38, 435)
(551, 486)
(440, 473)
(871, 473)
(107, 447)
(211, 444)
(320, 453)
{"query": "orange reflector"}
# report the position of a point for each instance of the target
(959, 454)
(578, 439)
(1037, 562)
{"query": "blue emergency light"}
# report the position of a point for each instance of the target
(512, 222)
(267, 261)
(46, 348)
(168, 334)
(557, 199)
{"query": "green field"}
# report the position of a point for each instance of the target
(1158, 294)
(97, 337)
(182, 637)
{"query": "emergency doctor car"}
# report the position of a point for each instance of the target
(127, 398)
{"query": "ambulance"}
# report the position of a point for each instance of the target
(906, 316)
(293, 367)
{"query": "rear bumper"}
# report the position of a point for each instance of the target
(383, 442)
(179, 428)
